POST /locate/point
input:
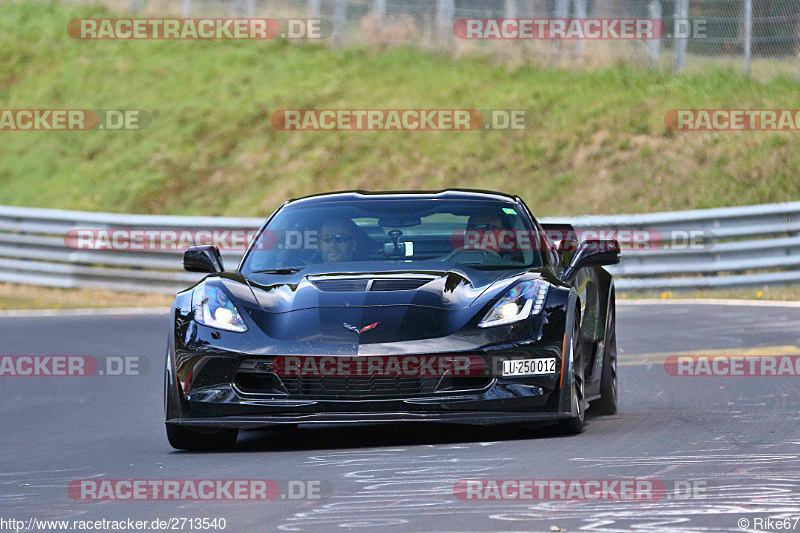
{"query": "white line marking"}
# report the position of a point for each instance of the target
(711, 301)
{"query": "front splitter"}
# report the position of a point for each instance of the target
(470, 418)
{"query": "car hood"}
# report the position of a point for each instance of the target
(317, 287)
(317, 311)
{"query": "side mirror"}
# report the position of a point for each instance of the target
(202, 259)
(592, 252)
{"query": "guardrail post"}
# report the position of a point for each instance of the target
(379, 9)
(339, 21)
(313, 9)
(748, 34)
(580, 13)
(655, 12)
(681, 43)
(445, 13)
(561, 12)
(510, 9)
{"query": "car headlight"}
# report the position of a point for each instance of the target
(212, 307)
(523, 300)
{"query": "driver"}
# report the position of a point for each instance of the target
(337, 240)
(485, 221)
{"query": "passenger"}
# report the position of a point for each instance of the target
(494, 223)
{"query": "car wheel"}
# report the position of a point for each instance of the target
(188, 439)
(609, 388)
(574, 425)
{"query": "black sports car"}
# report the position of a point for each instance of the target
(355, 307)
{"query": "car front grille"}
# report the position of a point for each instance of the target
(359, 386)
(255, 376)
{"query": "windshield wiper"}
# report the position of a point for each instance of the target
(281, 271)
(479, 266)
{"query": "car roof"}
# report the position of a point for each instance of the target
(447, 194)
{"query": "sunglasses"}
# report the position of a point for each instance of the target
(339, 238)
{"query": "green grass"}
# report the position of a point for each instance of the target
(15, 296)
(598, 144)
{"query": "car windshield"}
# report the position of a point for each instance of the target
(481, 234)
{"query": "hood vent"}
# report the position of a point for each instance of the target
(367, 284)
(398, 284)
(341, 284)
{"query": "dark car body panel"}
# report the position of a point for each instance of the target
(289, 314)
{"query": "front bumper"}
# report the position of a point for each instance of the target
(483, 418)
(503, 400)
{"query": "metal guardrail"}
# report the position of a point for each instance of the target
(710, 248)
(33, 250)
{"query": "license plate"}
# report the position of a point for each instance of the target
(529, 367)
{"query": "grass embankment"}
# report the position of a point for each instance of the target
(598, 142)
(14, 296)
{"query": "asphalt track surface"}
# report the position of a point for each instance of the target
(736, 439)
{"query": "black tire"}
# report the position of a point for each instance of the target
(609, 387)
(188, 439)
(574, 426)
